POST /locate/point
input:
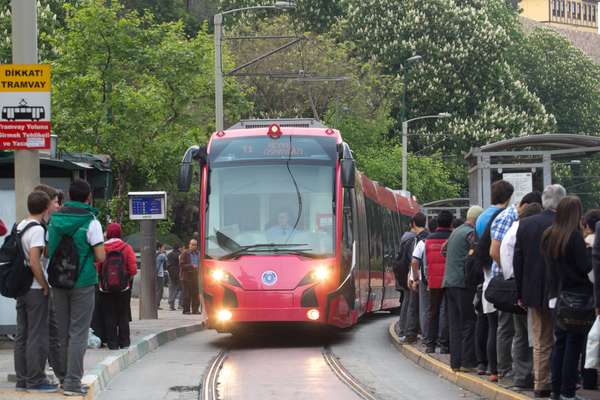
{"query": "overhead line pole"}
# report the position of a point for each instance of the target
(24, 51)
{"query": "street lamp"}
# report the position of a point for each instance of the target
(405, 143)
(218, 20)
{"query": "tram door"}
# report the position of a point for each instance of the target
(361, 249)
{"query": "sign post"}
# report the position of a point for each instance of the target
(148, 207)
(24, 51)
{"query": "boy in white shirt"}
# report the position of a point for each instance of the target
(31, 346)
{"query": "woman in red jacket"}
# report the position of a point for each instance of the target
(115, 279)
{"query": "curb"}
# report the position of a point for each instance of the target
(469, 382)
(99, 377)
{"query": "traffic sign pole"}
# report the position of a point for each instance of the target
(24, 51)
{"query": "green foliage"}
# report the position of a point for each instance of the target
(308, 15)
(137, 90)
(564, 78)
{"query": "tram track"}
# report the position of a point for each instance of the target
(346, 377)
(212, 378)
(210, 382)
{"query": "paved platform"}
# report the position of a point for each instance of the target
(103, 364)
(440, 364)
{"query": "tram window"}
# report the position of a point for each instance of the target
(348, 232)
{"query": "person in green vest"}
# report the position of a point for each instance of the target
(74, 231)
(459, 297)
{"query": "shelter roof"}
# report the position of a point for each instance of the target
(556, 141)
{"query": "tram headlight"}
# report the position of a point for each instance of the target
(218, 275)
(321, 273)
(313, 314)
(224, 315)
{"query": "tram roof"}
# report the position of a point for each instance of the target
(289, 126)
(391, 199)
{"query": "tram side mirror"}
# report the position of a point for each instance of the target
(186, 167)
(185, 176)
(348, 173)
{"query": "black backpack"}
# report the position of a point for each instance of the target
(115, 278)
(15, 276)
(403, 261)
(64, 266)
(478, 258)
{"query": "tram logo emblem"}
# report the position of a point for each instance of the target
(269, 278)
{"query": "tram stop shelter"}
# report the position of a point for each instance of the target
(458, 207)
(531, 163)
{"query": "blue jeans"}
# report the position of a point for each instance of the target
(565, 356)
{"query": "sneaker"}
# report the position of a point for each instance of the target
(482, 369)
(540, 394)
(186, 312)
(408, 339)
(81, 391)
(21, 387)
(444, 350)
(172, 308)
(571, 398)
(493, 378)
(43, 388)
(429, 350)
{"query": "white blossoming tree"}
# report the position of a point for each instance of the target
(467, 70)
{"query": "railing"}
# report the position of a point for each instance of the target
(574, 12)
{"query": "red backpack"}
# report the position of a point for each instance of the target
(114, 277)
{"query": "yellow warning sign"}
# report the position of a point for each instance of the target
(25, 78)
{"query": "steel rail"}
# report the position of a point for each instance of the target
(343, 375)
(211, 378)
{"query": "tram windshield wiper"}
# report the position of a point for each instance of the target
(264, 247)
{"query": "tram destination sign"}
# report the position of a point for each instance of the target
(25, 106)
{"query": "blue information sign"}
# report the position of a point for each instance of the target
(146, 205)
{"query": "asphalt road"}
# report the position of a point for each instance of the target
(282, 364)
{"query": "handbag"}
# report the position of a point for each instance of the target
(575, 311)
(503, 295)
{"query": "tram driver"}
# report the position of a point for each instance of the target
(280, 232)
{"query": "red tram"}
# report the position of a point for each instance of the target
(290, 230)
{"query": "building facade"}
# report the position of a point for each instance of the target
(580, 15)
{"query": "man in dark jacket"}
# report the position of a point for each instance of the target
(530, 274)
(189, 263)
(408, 325)
(174, 280)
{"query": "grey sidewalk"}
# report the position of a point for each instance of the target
(102, 364)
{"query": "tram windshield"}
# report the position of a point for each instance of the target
(271, 197)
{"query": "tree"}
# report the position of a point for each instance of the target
(134, 89)
(466, 68)
(564, 78)
(308, 15)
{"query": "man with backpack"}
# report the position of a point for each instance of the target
(408, 324)
(75, 242)
(501, 193)
(31, 347)
(116, 274)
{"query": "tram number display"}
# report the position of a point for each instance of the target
(275, 149)
(147, 205)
